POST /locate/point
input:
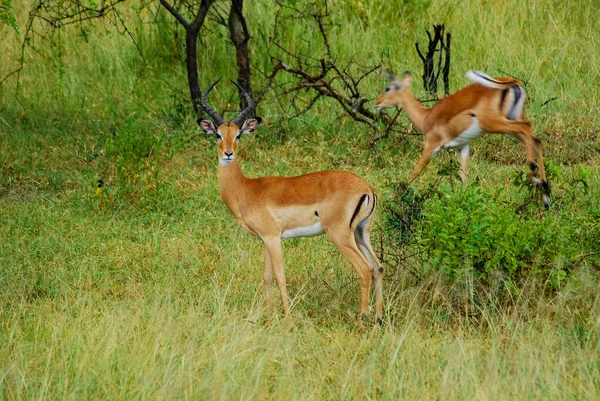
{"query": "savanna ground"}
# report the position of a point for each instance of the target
(145, 288)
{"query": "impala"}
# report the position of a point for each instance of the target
(493, 105)
(338, 203)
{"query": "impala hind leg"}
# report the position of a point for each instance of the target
(545, 186)
(362, 235)
(273, 247)
(537, 148)
(346, 243)
(522, 131)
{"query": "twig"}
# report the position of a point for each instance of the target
(582, 257)
(139, 50)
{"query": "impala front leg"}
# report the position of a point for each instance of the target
(273, 246)
(426, 156)
(464, 163)
(268, 283)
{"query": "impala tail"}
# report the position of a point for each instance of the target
(479, 77)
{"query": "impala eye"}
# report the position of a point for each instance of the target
(238, 136)
(387, 89)
(219, 137)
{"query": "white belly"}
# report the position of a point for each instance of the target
(468, 136)
(309, 231)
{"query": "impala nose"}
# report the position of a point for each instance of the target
(228, 153)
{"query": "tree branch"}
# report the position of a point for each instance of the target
(175, 14)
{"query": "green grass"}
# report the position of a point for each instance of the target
(146, 288)
(170, 347)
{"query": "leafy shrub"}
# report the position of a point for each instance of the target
(403, 210)
(469, 230)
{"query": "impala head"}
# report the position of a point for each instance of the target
(228, 135)
(394, 91)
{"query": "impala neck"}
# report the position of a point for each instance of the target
(231, 185)
(414, 109)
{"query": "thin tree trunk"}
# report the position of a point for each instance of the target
(192, 31)
(239, 37)
(447, 66)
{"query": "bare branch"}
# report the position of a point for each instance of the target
(10, 74)
(175, 14)
(307, 108)
(419, 51)
(270, 80)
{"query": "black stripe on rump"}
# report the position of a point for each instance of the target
(362, 199)
(374, 203)
(503, 98)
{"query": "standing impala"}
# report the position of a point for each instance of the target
(273, 208)
(493, 105)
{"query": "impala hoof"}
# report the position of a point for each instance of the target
(546, 187)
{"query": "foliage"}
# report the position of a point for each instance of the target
(404, 209)
(469, 229)
(7, 15)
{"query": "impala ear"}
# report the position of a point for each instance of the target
(207, 126)
(250, 125)
(407, 78)
(390, 76)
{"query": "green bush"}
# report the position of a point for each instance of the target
(470, 230)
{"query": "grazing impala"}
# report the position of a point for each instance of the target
(273, 208)
(493, 105)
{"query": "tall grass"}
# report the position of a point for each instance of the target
(144, 287)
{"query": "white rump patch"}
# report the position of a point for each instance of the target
(309, 231)
(517, 108)
(468, 136)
